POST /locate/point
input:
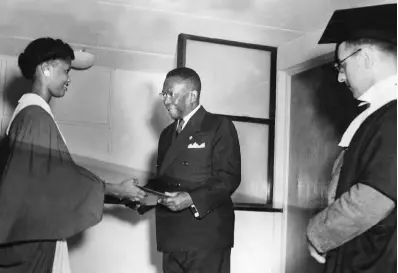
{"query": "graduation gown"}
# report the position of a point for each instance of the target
(44, 195)
(371, 159)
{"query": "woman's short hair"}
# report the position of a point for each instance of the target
(42, 50)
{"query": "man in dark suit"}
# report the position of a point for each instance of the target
(199, 168)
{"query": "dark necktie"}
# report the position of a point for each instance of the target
(363, 107)
(180, 125)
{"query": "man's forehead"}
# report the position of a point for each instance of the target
(173, 82)
(340, 49)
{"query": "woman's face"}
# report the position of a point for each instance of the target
(58, 77)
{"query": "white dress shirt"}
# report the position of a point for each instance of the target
(188, 117)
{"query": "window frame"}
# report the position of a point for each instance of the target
(270, 122)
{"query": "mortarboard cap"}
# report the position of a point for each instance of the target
(377, 22)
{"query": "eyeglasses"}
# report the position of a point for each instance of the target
(338, 64)
(167, 95)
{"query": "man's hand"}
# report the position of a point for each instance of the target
(318, 257)
(128, 189)
(176, 201)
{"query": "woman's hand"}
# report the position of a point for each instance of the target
(126, 189)
(129, 189)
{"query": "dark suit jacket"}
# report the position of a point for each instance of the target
(210, 175)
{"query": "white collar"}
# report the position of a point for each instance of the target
(28, 100)
(377, 96)
(380, 92)
(188, 117)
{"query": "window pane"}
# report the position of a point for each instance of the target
(235, 80)
(253, 140)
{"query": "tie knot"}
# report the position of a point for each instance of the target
(362, 107)
(180, 125)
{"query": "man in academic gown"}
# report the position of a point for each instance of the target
(199, 168)
(357, 232)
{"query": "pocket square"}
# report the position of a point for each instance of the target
(196, 146)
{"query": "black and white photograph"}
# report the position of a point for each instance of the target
(212, 136)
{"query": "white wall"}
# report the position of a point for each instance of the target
(301, 50)
(139, 36)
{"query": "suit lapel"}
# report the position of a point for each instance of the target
(165, 143)
(182, 141)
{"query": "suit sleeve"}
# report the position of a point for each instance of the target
(226, 171)
(44, 194)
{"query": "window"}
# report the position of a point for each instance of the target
(239, 81)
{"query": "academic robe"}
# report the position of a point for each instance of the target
(371, 159)
(209, 174)
(44, 195)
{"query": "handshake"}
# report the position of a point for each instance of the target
(129, 189)
(130, 194)
(126, 192)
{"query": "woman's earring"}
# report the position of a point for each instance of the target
(46, 73)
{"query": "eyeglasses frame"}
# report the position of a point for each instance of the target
(338, 63)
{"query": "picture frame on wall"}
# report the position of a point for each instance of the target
(239, 82)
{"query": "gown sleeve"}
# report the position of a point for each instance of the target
(44, 195)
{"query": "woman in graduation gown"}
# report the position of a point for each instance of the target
(45, 197)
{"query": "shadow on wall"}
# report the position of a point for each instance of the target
(321, 110)
(117, 173)
(334, 101)
(157, 121)
(14, 89)
(299, 260)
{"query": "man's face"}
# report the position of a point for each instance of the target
(351, 70)
(176, 97)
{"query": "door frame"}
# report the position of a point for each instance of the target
(282, 145)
